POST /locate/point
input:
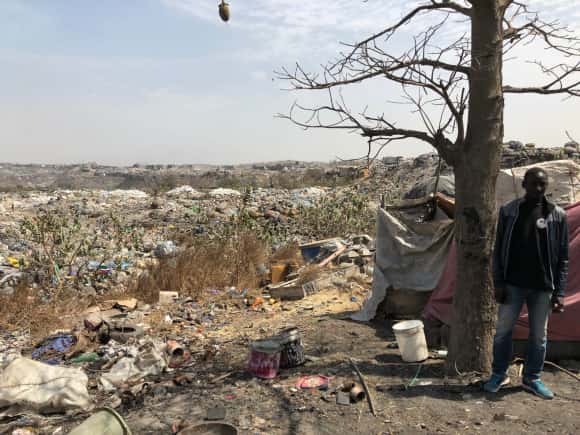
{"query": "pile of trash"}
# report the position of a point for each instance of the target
(99, 241)
(119, 347)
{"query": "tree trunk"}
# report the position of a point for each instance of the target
(476, 169)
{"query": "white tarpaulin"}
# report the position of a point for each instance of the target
(410, 255)
(31, 386)
(564, 182)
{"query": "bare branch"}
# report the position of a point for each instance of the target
(552, 34)
(346, 121)
(565, 80)
(522, 26)
(446, 6)
(309, 82)
(570, 137)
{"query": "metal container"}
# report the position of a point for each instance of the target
(291, 348)
(264, 359)
(357, 393)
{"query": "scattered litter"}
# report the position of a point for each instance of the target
(104, 421)
(313, 382)
(165, 249)
(125, 304)
(122, 333)
(357, 392)
(178, 355)
(87, 357)
(166, 298)
(149, 361)
(343, 398)
(53, 349)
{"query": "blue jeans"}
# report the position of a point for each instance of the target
(539, 308)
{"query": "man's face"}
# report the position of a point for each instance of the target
(536, 185)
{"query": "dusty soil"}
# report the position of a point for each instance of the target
(430, 403)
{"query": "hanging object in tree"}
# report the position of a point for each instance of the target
(224, 10)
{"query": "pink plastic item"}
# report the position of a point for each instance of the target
(311, 382)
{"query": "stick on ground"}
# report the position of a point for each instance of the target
(568, 372)
(366, 388)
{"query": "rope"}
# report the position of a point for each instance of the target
(412, 382)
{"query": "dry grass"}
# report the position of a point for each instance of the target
(288, 254)
(203, 265)
(25, 311)
(308, 274)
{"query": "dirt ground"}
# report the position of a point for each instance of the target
(410, 398)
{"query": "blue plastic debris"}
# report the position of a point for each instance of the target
(53, 349)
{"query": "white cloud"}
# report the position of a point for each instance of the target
(289, 30)
(292, 28)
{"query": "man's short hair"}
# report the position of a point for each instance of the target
(534, 171)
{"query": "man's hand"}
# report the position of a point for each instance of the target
(500, 294)
(557, 304)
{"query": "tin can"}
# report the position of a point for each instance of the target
(291, 349)
(264, 359)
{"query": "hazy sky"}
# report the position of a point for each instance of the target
(125, 81)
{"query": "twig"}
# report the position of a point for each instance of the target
(221, 378)
(366, 388)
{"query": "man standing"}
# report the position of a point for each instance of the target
(530, 264)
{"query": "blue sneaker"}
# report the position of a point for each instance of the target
(538, 388)
(495, 382)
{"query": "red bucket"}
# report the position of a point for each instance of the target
(264, 359)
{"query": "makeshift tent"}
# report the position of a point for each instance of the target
(416, 255)
(410, 254)
(561, 327)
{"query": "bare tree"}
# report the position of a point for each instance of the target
(455, 84)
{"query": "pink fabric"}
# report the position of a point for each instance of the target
(561, 327)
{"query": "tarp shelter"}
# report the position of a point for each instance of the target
(410, 254)
(420, 256)
(561, 327)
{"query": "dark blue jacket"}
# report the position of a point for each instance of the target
(556, 258)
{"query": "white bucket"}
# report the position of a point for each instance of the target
(411, 340)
